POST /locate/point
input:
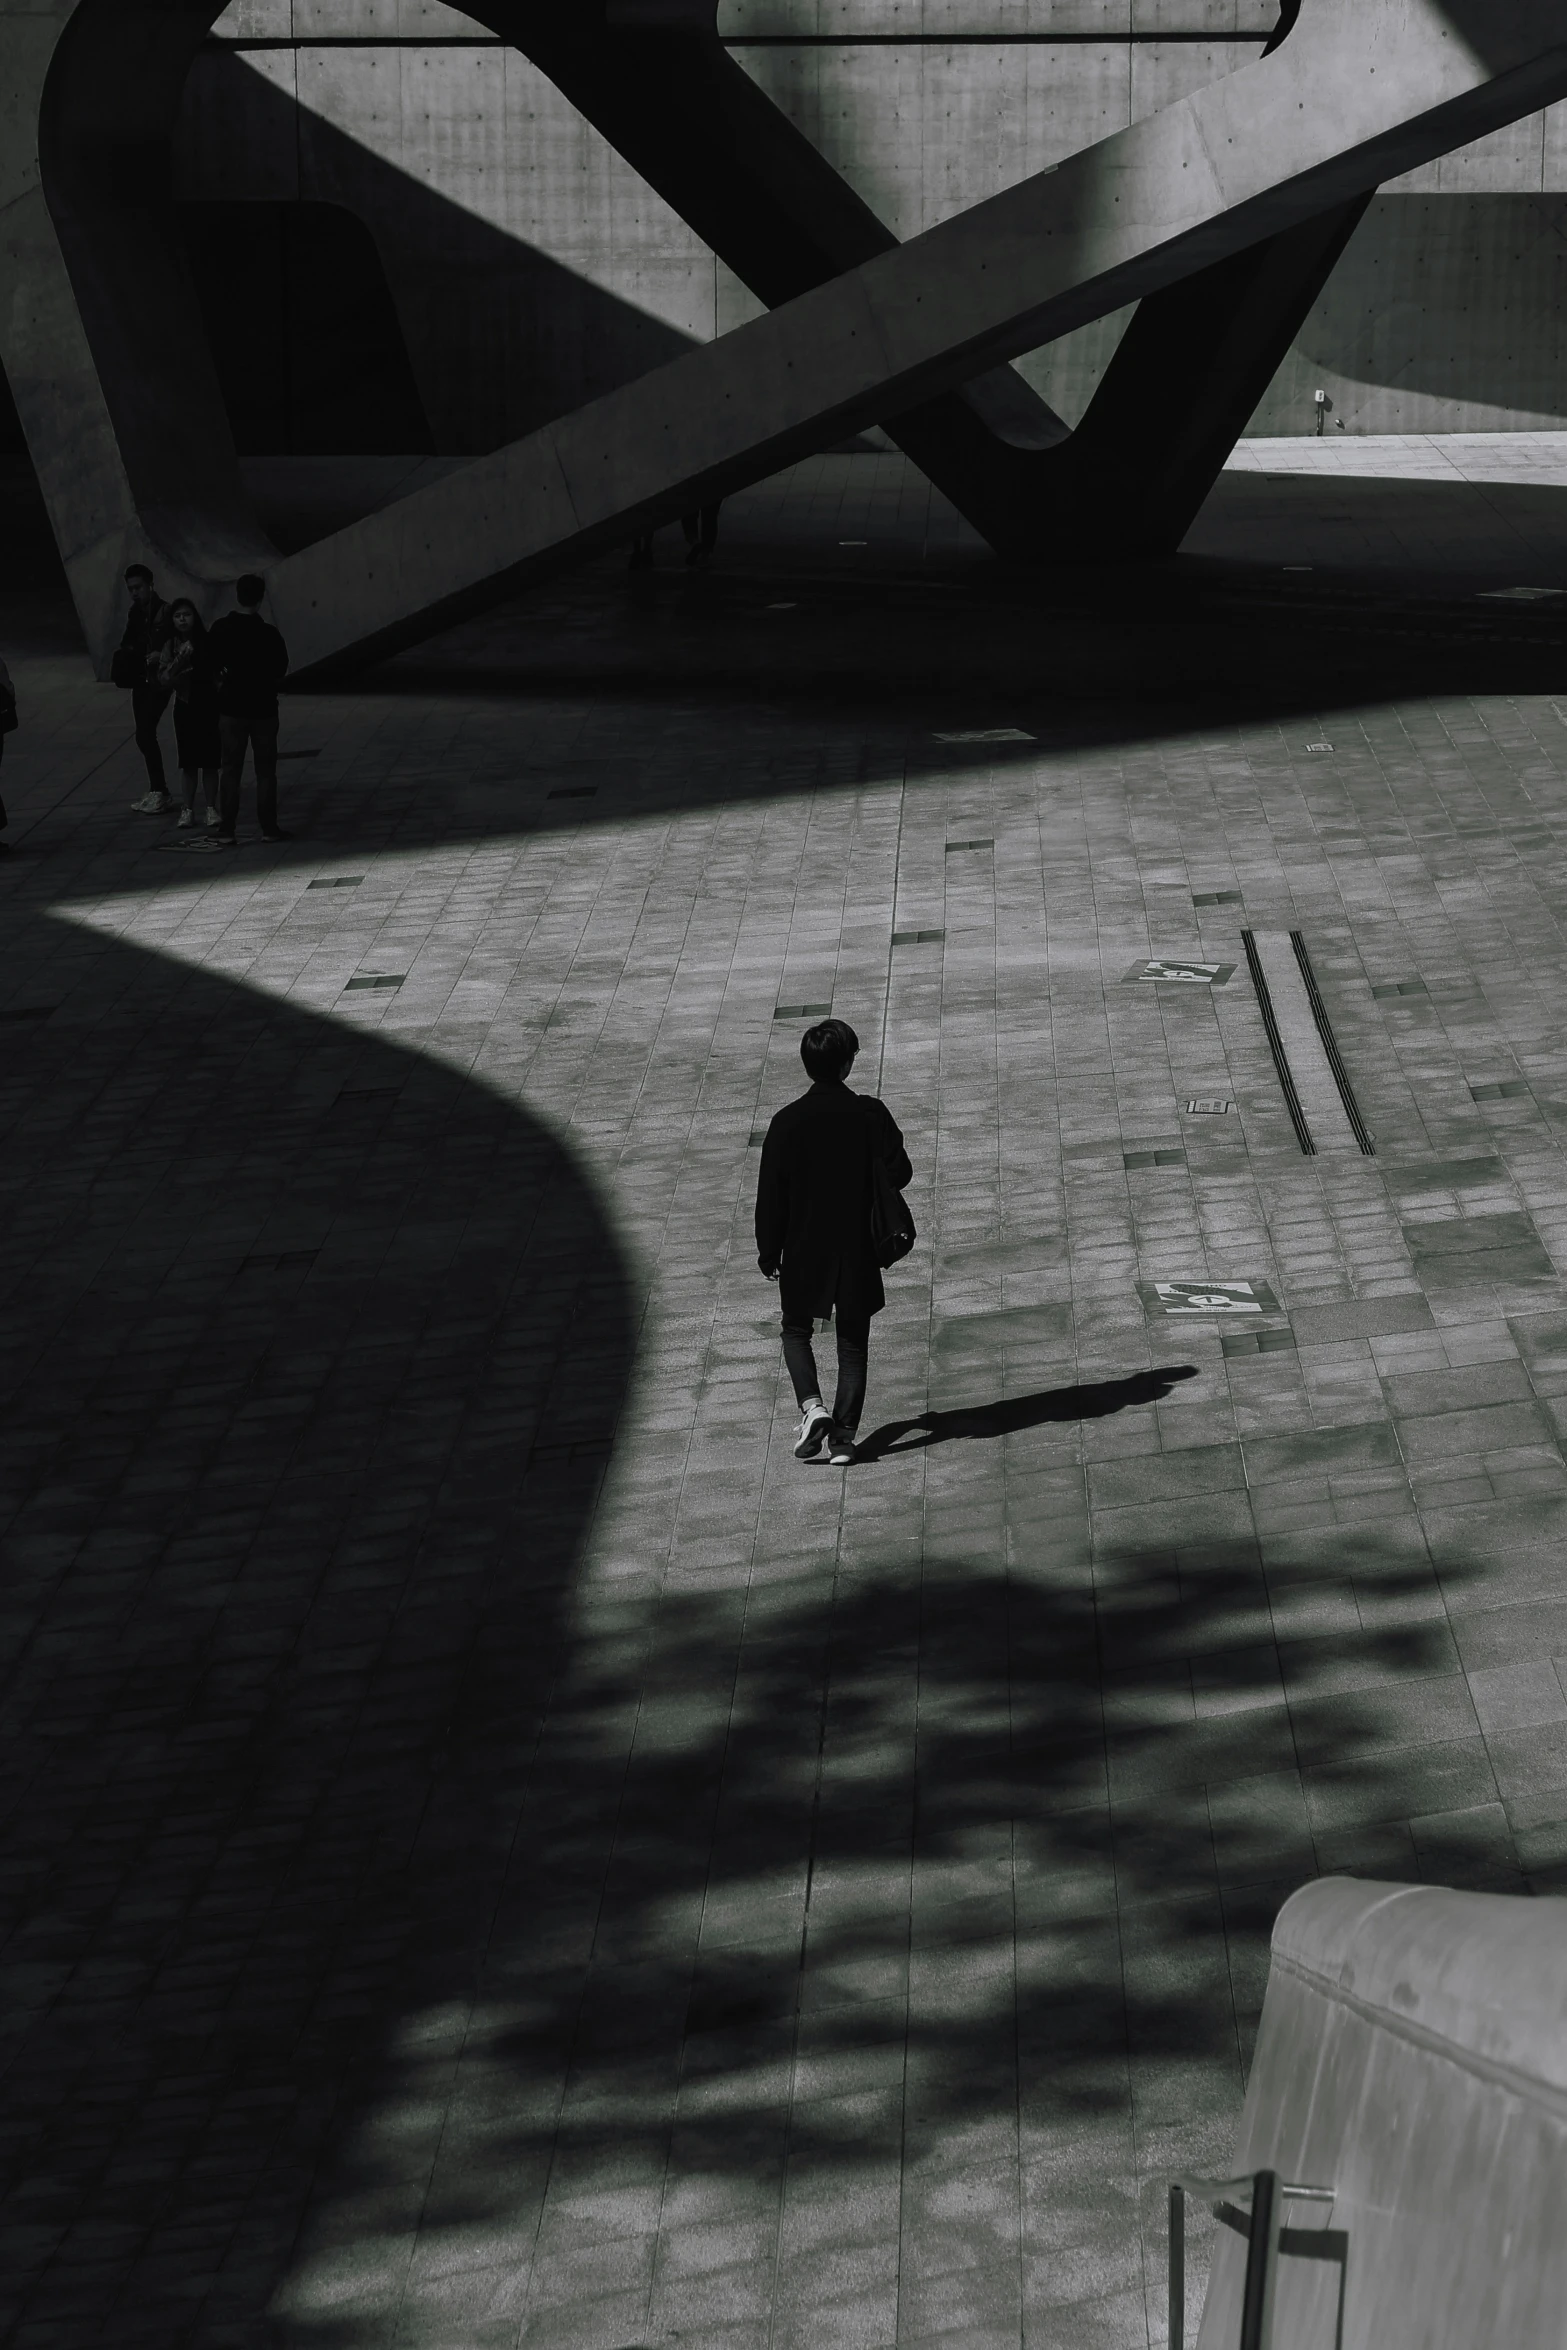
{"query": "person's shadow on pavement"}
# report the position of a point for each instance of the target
(1009, 1414)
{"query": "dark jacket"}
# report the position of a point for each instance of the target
(251, 662)
(148, 629)
(813, 1199)
(185, 665)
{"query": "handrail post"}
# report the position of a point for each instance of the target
(1177, 2266)
(1262, 2263)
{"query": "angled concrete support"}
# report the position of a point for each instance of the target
(1185, 378)
(656, 81)
(1363, 90)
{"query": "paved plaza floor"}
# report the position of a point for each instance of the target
(499, 1854)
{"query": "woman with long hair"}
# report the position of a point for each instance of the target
(185, 666)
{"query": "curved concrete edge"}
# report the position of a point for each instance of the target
(100, 334)
(1413, 2057)
(1485, 1974)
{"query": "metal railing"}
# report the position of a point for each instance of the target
(1267, 2242)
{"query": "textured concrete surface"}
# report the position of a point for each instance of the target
(1412, 2058)
(495, 1851)
(1207, 178)
(530, 267)
(138, 460)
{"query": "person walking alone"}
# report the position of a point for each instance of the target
(136, 665)
(250, 662)
(185, 667)
(813, 1231)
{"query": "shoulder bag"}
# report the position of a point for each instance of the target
(893, 1231)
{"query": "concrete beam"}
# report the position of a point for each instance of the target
(1364, 90)
(658, 84)
(100, 332)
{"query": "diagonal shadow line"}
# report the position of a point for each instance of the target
(1010, 1415)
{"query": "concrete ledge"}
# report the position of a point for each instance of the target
(1413, 2056)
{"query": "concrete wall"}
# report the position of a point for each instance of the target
(1413, 2057)
(531, 269)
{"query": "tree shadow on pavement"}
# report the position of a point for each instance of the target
(899, 1889)
(1010, 1415)
(310, 1357)
(397, 1953)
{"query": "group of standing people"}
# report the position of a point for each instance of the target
(223, 682)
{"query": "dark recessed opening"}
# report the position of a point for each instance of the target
(304, 335)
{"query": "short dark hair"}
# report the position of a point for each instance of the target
(828, 1048)
(250, 587)
(137, 571)
(188, 604)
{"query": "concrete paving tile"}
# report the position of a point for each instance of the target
(1529, 1759)
(1381, 1716)
(1399, 1782)
(1285, 1460)
(1488, 1429)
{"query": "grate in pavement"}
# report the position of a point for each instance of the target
(1256, 1342)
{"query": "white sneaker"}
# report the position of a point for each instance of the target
(187, 818)
(213, 819)
(153, 803)
(815, 1428)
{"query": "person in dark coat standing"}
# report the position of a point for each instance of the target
(249, 661)
(813, 1231)
(185, 667)
(147, 629)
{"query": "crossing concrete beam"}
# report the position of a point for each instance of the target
(101, 335)
(1365, 89)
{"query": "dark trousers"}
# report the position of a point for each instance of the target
(854, 1346)
(148, 703)
(261, 736)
